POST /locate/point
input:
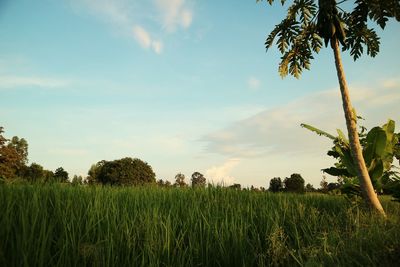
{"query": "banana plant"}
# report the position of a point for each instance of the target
(379, 148)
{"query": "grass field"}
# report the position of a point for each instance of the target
(61, 225)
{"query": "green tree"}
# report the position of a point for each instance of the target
(13, 155)
(275, 185)
(198, 180)
(323, 185)
(180, 180)
(93, 172)
(310, 188)
(300, 35)
(126, 171)
(60, 175)
(295, 183)
(77, 180)
(33, 173)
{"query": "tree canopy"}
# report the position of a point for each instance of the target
(125, 171)
(295, 183)
(13, 155)
(198, 180)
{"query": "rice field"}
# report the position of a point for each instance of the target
(62, 225)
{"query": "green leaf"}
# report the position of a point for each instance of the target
(342, 136)
(317, 131)
(348, 162)
(336, 172)
(376, 170)
(376, 138)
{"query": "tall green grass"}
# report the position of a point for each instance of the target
(56, 225)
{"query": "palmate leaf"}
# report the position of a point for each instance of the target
(298, 36)
(379, 11)
(358, 38)
(304, 10)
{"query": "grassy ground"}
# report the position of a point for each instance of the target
(56, 225)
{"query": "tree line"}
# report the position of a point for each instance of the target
(133, 171)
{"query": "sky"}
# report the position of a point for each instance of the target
(184, 85)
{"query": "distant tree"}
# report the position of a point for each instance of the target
(255, 189)
(198, 180)
(48, 176)
(77, 180)
(13, 155)
(294, 184)
(93, 172)
(126, 171)
(165, 183)
(275, 185)
(236, 186)
(180, 180)
(21, 147)
(310, 188)
(323, 185)
(60, 175)
(333, 186)
(33, 173)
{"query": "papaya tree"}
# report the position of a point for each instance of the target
(301, 34)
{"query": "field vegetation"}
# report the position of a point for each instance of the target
(64, 225)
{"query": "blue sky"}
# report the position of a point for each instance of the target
(184, 85)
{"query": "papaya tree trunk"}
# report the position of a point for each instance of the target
(367, 189)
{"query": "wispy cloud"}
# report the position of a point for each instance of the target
(127, 18)
(145, 40)
(175, 13)
(278, 130)
(9, 82)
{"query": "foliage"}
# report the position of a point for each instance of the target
(33, 173)
(310, 188)
(55, 225)
(77, 180)
(323, 185)
(300, 34)
(198, 180)
(275, 185)
(295, 183)
(379, 148)
(180, 180)
(162, 183)
(236, 186)
(125, 171)
(60, 175)
(13, 155)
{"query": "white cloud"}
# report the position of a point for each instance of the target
(186, 18)
(142, 36)
(278, 130)
(117, 12)
(31, 81)
(222, 174)
(126, 15)
(145, 40)
(175, 13)
(253, 83)
(157, 46)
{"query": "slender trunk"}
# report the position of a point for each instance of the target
(355, 147)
